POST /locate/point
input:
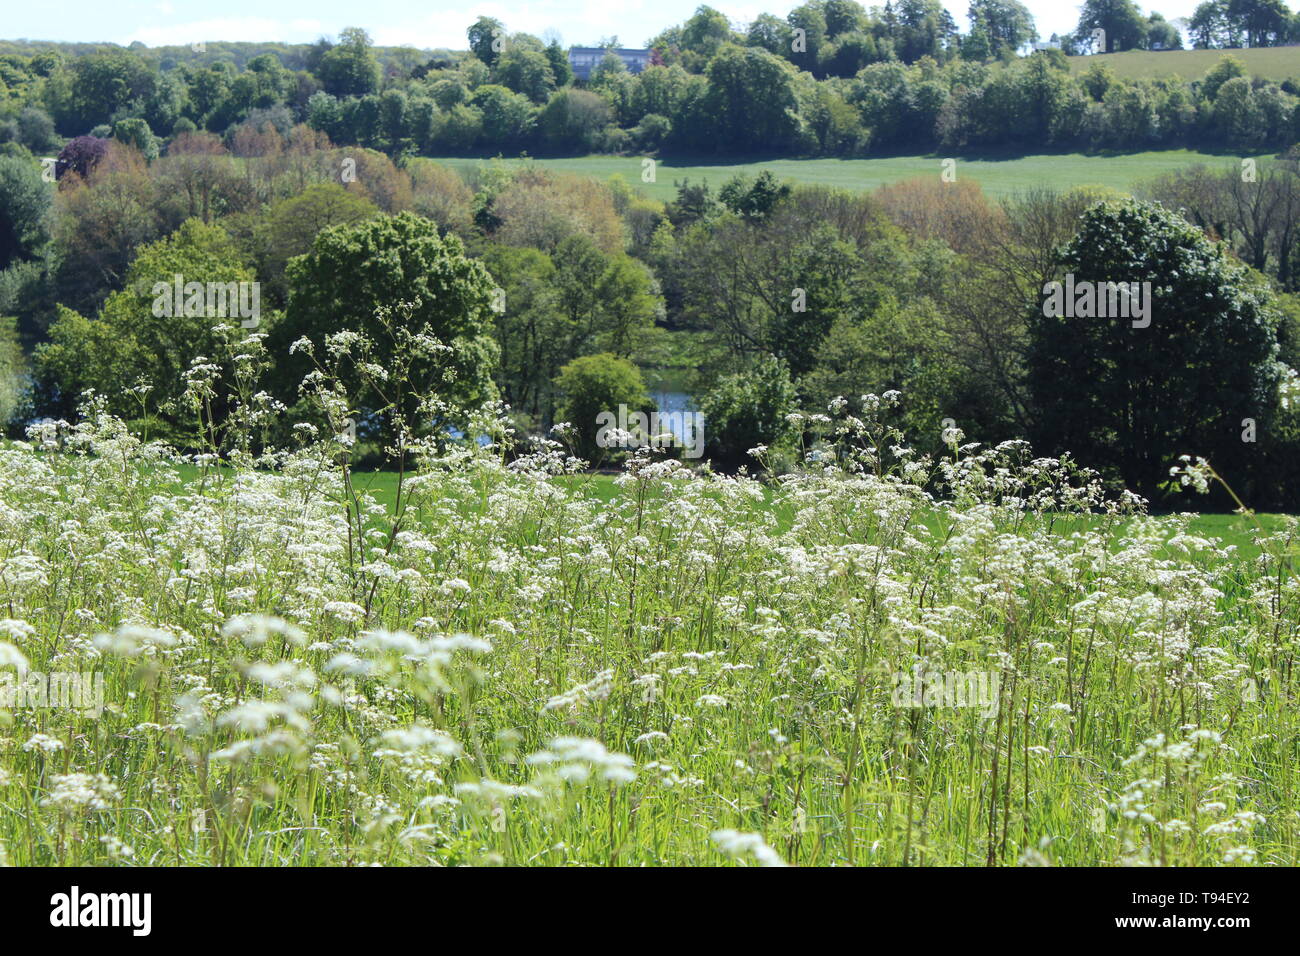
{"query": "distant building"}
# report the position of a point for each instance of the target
(584, 59)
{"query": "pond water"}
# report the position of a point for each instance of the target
(668, 401)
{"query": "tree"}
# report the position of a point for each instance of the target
(843, 16)
(13, 372)
(98, 86)
(705, 32)
(530, 330)
(921, 28)
(1162, 35)
(200, 178)
(749, 409)
(289, 227)
(594, 385)
(132, 342)
(751, 100)
(559, 61)
(350, 68)
(772, 34)
(36, 130)
(507, 116)
(100, 222)
(1124, 27)
(811, 20)
(525, 71)
(1129, 400)
(1008, 24)
(1210, 26)
(755, 199)
(486, 39)
(356, 273)
(135, 132)
(25, 201)
(81, 155)
(1263, 22)
(541, 208)
(439, 193)
(573, 120)
(1228, 68)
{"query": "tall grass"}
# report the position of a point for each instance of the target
(506, 665)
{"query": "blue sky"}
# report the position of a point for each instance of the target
(421, 23)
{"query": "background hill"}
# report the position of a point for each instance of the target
(1271, 63)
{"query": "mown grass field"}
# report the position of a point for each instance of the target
(1272, 63)
(998, 177)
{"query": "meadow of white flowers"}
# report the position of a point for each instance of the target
(502, 666)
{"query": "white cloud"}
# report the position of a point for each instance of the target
(240, 28)
(598, 18)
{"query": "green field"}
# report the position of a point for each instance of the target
(1233, 530)
(656, 669)
(1271, 63)
(999, 177)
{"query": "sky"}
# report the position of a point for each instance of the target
(423, 23)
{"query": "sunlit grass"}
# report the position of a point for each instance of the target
(998, 176)
(651, 669)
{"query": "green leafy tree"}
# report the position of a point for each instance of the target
(573, 120)
(558, 58)
(487, 39)
(1210, 26)
(530, 330)
(136, 341)
(507, 117)
(288, 229)
(355, 276)
(1228, 68)
(13, 372)
(1008, 23)
(1124, 25)
(1263, 22)
(749, 409)
(1129, 400)
(810, 18)
(350, 68)
(1162, 35)
(591, 386)
(751, 99)
(24, 207)
(705, 32)
(98, 86)
(753, 199)
(525, 71)
(771, 33)
(135, 132)
(843, 16)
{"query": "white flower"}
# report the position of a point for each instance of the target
(737, 844)
(10, 656)
(255, 629)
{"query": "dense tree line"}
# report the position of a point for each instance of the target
(765, 300)
(830, 78)
(555, 292)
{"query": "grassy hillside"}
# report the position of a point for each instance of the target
(1271, 63)
(999, 177)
